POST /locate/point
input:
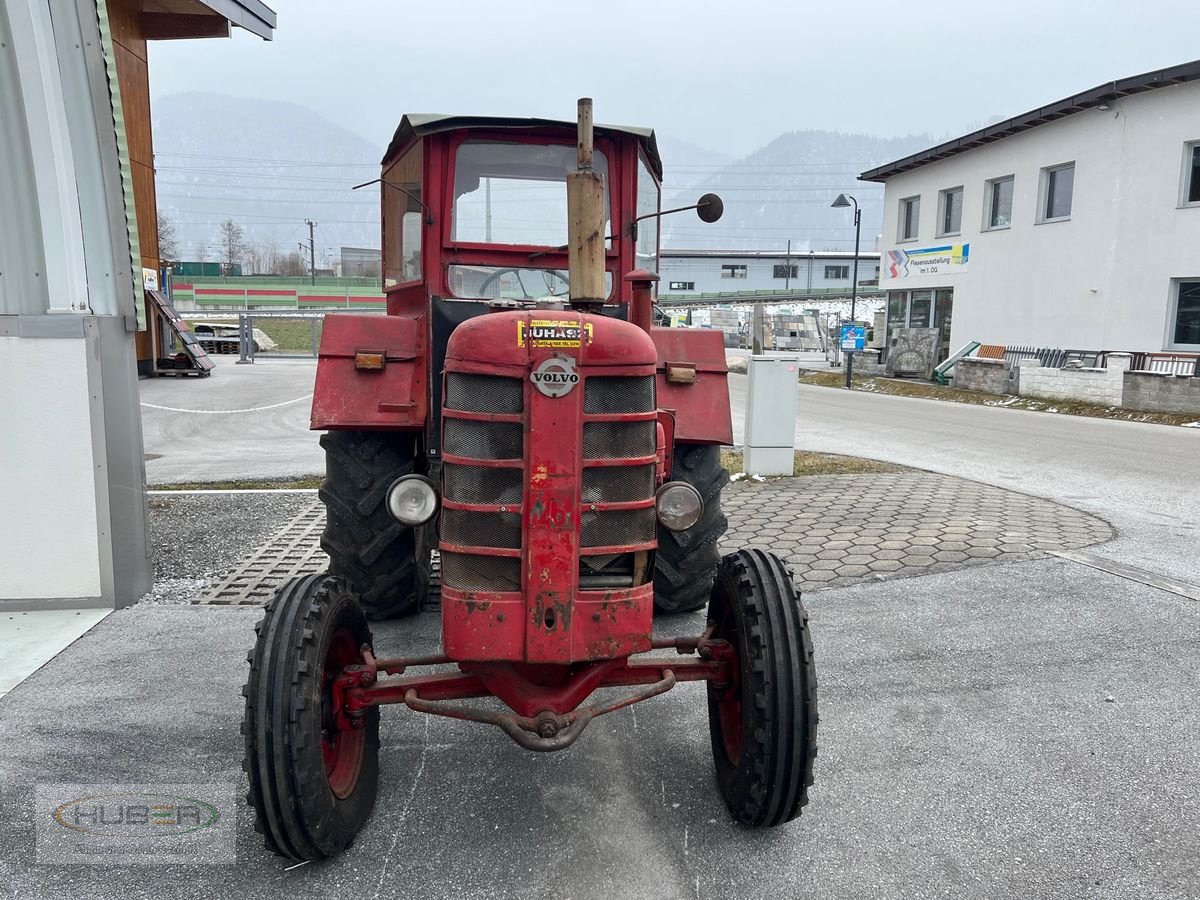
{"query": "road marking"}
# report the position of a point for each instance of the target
(226, 412)
(1141, 576)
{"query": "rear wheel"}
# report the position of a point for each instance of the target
(312, 782)
(686, 561)
(763, 722)
(366, 545)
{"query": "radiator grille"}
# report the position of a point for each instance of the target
(618, 394)
(619, 440)
(476, 529)
(472, 484)
(618, 484)
(482, 440)
(484, 393)
(617, 527)
(481, 573)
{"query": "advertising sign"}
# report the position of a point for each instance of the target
(854, 337)
(949, 259)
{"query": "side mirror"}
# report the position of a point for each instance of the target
(710, 208)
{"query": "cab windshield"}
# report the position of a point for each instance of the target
(510, 193)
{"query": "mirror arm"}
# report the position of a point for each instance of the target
(413, 198)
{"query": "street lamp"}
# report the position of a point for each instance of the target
(842, 202)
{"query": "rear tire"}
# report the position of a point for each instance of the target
(312, 786)
(686, 561)
(763, 723)
(366, 545)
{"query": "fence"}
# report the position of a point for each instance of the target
(262, 335)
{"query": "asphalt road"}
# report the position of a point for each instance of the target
(1025, 730)
(241, 422)
(1144, 479)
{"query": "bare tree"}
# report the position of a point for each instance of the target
(290, 264)
(168, 243)
(233, 244)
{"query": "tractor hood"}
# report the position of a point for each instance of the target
(518, 338)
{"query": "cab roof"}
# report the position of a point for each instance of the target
(419, 124)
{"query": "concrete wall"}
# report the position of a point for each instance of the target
(987, 375)
(1102, 279)
(704, 270)
(1102, 387)
(1159, 392)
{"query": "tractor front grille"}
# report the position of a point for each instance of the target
(476, 484)
(614, 528)
(469, 572)
(615, 440)
(618, 394)
(482, 485)
(482, 440)
(618, 484)
(479, 529)
(607, 442)
(484, 393)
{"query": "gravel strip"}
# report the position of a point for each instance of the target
(196, 539)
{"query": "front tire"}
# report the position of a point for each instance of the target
(312, 784)
(763, 722)
(366, 546)
(686, 561)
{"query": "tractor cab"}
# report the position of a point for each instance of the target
(475, 209)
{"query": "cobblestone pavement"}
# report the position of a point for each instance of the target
(833, 529)
(842, 529)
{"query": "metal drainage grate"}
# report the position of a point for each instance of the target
(294, 549)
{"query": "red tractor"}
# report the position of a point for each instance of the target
(518, 410)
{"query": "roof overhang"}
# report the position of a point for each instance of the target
(418, 124)
(1090, 99)
(164, 20)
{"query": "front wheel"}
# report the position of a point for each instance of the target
(763, 721)
(312, 782)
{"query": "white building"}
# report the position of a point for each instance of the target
(684, 272)
(1076, 225)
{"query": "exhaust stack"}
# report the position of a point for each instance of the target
(585, 220)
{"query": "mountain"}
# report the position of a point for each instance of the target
(783, 190)
(271, 165)
(268, 166)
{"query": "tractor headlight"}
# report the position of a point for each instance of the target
(680, 505)
(412, 500)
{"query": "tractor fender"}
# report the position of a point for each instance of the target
(371, 374)
(692, 383)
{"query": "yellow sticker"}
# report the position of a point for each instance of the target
(553, 333)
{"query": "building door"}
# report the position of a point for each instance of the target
(943, 307)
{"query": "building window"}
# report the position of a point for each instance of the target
(681, 286)
(733, 271)
(1058, 186)
(1187, 314)
(999, 202)
(950, 221)
(786, 271)
(1191, 173)
(837, 273)
(910, 218)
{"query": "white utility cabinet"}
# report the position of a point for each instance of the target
(771, 415)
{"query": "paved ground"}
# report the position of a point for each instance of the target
(834, 530)
(192, 431)
(1022, 729)
(1140, 478)
(967, 750)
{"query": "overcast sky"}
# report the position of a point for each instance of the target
(726, 76)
